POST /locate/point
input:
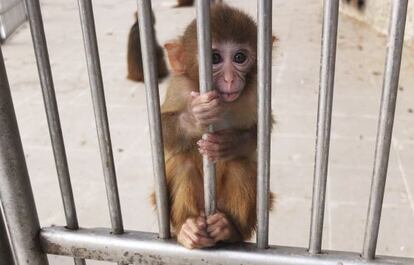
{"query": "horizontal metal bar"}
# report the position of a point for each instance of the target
(146, 248)
(326, 87)
(147, 37)
(385, 125)
(206, 84)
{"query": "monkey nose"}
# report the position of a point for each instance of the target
(228, 78)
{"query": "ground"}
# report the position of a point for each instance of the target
(358, 82)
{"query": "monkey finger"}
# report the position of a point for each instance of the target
(203, 99)
(187, 241)
(194, 94)
(197, 241)
(201, 221)
(221, 234)
(203, 110)
(209, 96)
(195, 228)
(212, 138)
(218, 216)
(206, 115)
(213, 149)
(218, 224)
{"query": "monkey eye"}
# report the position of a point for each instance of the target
(239, 57)
(216, 58)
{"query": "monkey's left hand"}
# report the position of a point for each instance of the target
(226, 144)
(220, 228)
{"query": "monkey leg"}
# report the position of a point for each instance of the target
(185, 187)
(237, 193)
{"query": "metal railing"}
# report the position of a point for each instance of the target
(18, 211)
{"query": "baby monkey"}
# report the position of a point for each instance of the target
(231, 108)
(134, 56)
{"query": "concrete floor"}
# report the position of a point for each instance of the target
(360, 60)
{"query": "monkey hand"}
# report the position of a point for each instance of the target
(226, 144)
(205, 108)
(220, 228)
(193, 234)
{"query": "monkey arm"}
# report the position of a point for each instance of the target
(178, 134)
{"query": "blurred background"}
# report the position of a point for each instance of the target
(297, 24)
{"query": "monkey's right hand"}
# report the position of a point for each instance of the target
(193, 234)
(205, 108)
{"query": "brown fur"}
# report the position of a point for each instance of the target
(360, 4)
(236, 178)
(134, 56)
(181, 3)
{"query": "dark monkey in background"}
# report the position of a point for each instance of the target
(181, 3)
(134, 56)
(231, 108)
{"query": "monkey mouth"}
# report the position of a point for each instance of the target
(230, 97)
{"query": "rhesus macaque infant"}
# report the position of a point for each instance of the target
(231, 108)
(134, 56)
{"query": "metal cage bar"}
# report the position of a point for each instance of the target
(52, 114)
(146, 248)
(326, 87)
(6, 255)
(101, 116)
(264, 106)
(146, 31)
(385, 125)
(16, 194)
(206, 84)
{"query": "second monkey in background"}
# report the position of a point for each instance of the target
(232, 108)
(134, 56)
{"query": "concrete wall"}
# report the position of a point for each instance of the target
(376, 13)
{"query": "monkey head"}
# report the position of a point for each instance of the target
(234, 48)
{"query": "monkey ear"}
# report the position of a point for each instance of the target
(175, 53)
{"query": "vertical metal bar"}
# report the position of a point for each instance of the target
(147, 37)
(101, 117)
(206, 84)
(264, 105)
(52, 113)
(326, 87)
(16, 195)
(385, 125)
(6, 255)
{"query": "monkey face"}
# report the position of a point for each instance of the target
(231, 63)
